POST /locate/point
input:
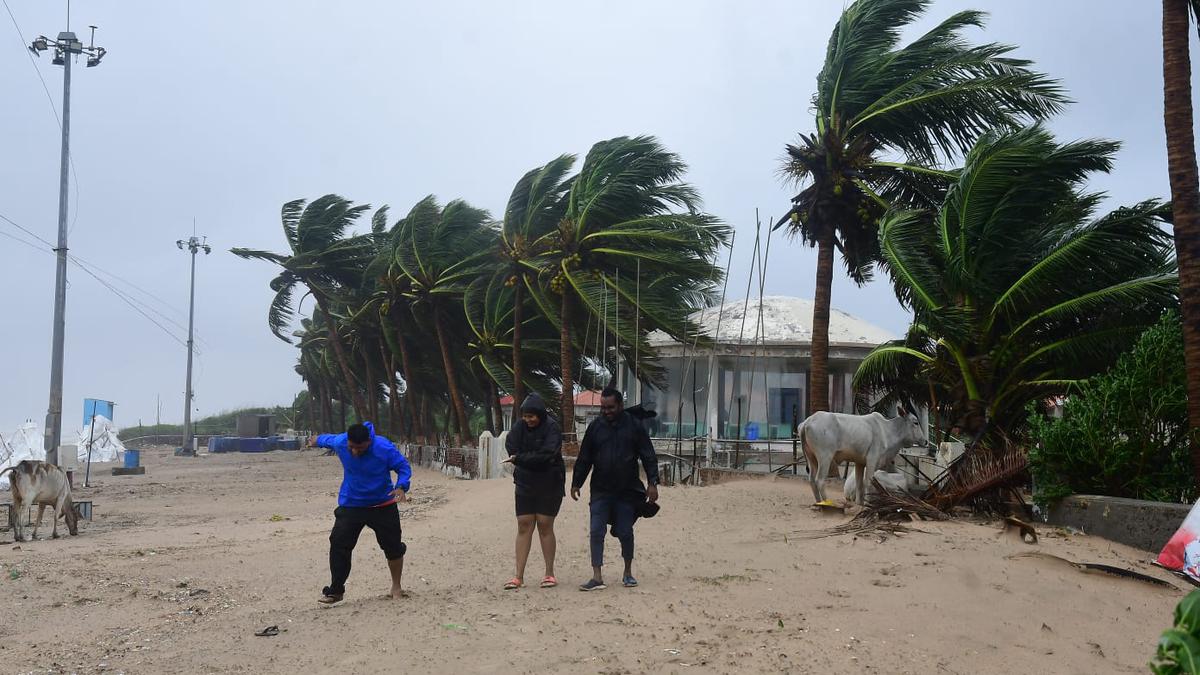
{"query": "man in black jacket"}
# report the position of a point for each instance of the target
(535, 450)
(612, 446)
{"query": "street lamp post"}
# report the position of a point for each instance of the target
(65, 46)
(194, 245)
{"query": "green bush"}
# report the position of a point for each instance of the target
(1123, 433)
(1179, 646)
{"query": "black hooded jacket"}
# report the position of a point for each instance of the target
(610, 452)
(538, 467)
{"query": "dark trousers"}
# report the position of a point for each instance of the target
(615, 509)
(347, 525)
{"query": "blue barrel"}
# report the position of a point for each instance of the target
(258, 444)
(752, 431)
(133, 458)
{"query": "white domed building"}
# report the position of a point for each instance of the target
(753, 380)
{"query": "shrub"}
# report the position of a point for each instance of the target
(1123, 433)
(1179, 646)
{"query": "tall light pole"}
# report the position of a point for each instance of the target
(194, 245)
(64, 48)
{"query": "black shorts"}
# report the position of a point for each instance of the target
(542, 505)
(349, 522)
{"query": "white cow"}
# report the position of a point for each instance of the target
(35, 482)
(870, 441)
(893, 481)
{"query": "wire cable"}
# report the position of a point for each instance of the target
(53, 108)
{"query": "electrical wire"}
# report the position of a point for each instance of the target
(30, 244)
(91, 270)
(27, 231)
(53, 108)
(133, 304)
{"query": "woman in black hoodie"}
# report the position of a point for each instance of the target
(535, 450)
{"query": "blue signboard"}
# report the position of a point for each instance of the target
(96, 407)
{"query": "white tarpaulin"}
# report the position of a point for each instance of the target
(24, 443)
(105, 445)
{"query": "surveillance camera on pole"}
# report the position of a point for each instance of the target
(65, 47)
(194, 245)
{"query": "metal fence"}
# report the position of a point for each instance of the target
(688, 455)
(459, 461)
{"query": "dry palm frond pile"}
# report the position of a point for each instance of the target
(980, 478)
(884, 515)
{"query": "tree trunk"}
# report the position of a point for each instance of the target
(339, 352)
(326, 407)
(566, 362)
(389, 362)
(417, 409)
(426, 423)
(490, 421)
(518, 392)
(372, 398)
(418, 426)
(342, 421)
(313, 401)
(1185, 197)
(818, 391)
(456, 400)
(494, 394)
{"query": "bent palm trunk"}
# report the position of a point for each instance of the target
(456, 401)
(566, 359)
(1185, 197)
(818, 394)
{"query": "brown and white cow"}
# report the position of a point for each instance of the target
(43, 484)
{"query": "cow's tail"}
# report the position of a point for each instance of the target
(804, 446)
(7, 469)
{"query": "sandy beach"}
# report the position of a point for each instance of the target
(181, 566)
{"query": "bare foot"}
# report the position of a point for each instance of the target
(398, 594)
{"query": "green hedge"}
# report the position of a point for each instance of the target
(1123, 433)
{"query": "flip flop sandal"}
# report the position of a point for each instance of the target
(329, 599)
(513, 584)
(549, 582)
(269, 631)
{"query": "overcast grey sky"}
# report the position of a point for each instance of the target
(221, 111)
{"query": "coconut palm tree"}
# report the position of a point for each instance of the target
(1017, 290)
(440, 251)
(327, 262)
(1185, 192)
(628, 217)
(535, 209)
(489, 304)
(885, 115)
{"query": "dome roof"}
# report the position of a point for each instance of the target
(786, 320)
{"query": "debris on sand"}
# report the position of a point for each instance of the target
(1097, 568)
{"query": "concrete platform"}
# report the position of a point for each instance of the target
(1133, 522)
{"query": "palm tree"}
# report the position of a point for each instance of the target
(324, 260)
(489, 305)
(885, 115)
(439, 250)
(621, 225)
(1185, 192)
(535, 208)
(310, 368)
(1017, 291)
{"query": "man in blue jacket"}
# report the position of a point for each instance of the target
(367, 499)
